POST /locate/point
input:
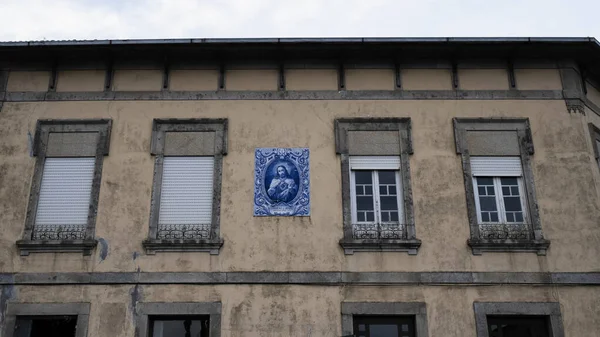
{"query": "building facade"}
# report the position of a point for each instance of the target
(300, 187)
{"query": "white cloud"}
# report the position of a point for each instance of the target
(121, 19)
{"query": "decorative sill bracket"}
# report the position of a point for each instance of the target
(410, 246)
(157, 245)
(56, 246)
(533, 246)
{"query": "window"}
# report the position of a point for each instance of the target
(63, 202)
(518, 326)
(376, 193)
(186, 194)
(518, 319)
(179, 326)
(376, 197)
(46, 320)
(168, 319)
(384, 326)
(384, 319)
(501, 202)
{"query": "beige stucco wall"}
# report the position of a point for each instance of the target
(194, 79)
(80, 80)
(311, 79)
(561, 167)
(426, 79)
(28, 81)
(370, 79)
(137, 80)
(251, 79)
(593, 94)
(483, 79)
(538, 79)
(279, 310)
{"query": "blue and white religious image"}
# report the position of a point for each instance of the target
(281, 182)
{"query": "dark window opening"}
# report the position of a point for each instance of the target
(518, 326)
(179, 326)
(46, 326)
(384, 326)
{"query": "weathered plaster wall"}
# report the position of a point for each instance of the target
(427, 79)
(370, 79)
(251, 79)
(272, 310)
(561, 166)
(311, 79)
(28, 81)
(80, 80)
(194, 80)
(538, 79)
(483, 79)
(137, 80)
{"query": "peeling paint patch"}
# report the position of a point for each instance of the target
(103, 249)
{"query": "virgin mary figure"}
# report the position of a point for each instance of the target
(283, 188)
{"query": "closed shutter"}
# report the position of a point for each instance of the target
(374, 163)
(65, 192)
(186, 195)
(496, 166)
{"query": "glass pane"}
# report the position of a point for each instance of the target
(49, 326)
(515, 190)
(481, 190)
(364, 203)
(387, 177)
(383, 330)
(485, 217)
(179, 328)
(485, 181)
(359, 190)
(510, 217)
(515, 326)
(368, 190)
(389, 203)
(404, 327)
(494, 217)
(512, 204)
(394, 216)
(382, 190)
(363, 177)
(370, 216)
(508, 181)
(361, 327)
(487, 203)
(490, 190)
(519, 217)
(360, 216)
(385, 216)
(505, 190)
(392, 190)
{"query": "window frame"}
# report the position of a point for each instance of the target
(499, 196)
(502, 237)
(349, 244)
(595, 135)
(549, 309)
(159, 129)
(147, 309)
(40, 149)
(15, 310)
(418, 310)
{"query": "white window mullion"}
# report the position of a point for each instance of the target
(523, 199)
(353, 196)
(476, 195)
(376, 199)
(499, 200)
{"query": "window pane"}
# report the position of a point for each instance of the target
(485, 217)
(363, 177)
(193, 326)
(389, 203)
(494, 217)
(48, 326)
(510, 217)
(519, 217)
(364, 203)
(381, 330)
(508, 181)
(485, 181)
(518, 326)
(360, 216)
(360, 190)
(370, 216)
(512, 204)
(382, 190)
(505, 190)
(385, 216)
(481, 190)
(368, 190)
(392, 190)
(387, 177)
(515, 190)
(487, 203)
(394, 216)
(490, 190)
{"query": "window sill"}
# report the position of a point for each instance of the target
(510, 246)
(193, 245)
(56, 246)
(409, 246)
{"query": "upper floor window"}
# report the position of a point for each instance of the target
(501, 200)
(376, 193)
(66, 185)
(186, 192)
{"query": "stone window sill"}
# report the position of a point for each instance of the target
(56, 246)
(410, 246)
(510, 246)
(192, 245)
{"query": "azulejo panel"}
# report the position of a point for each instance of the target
(281, 182)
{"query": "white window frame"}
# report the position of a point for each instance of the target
(375, 164)
(499, 194)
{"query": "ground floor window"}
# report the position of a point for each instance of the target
(518, 326)
(45, 326)
(179, 326)
(384, 326)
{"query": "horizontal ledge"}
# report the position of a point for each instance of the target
(533, 246)
(56, 246)
(188, 245)
(409, 246)
(288, 95)
(318, 278)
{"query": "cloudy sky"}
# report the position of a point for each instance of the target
(127, 19)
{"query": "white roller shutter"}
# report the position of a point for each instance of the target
(187, 191)
(496, 166)
(65, 191)
(374, 163)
